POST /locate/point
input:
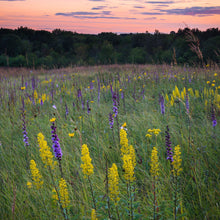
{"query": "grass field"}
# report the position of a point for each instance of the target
(110, 142)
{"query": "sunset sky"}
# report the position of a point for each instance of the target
(117, 16)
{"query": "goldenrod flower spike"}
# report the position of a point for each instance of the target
(128, 168)
(93, 215)
(86, 166)
(177, 161)
(113, 179)
(45, 153)
(154, 163)
(64, 195)
(123, 141)
(36, 176)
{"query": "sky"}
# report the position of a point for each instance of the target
(117, 16)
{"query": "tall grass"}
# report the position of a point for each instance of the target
(84, 119)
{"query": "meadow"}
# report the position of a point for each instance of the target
(110, 142)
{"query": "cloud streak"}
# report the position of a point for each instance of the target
(98, 8)
(160, 2)
(92, 15)
(193, 11)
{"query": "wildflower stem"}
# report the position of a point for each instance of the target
(154, 198)
(131, 205)
(107, 191)
(116, 207)
(61, 207)
(93, 198)
(175, 197)
(60, 166)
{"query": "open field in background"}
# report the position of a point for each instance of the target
(89, 105)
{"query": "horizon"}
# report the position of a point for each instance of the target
(116, 16)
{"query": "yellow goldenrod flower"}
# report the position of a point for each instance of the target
(52, 119)
(156, 131)
(120, 90)
(167, 97)
(177, 93)
(93, 81)
(208, 82)
(133, 155)
(177, 161)
(128, 168)
(148, 135)
(64, 195)
(123, 141)
(154, 163)
(172, 101)
(93, 215)
(213, 85)
(45, 153)
(92, 101)
(23, 88)
(35, 95)
(215, 74)
(71, 134)
(113, 179)
(213, 81)
(124, 125)
(29, 184)
(150, 130)
(36, 176)
(44, 97)
(54, 195)
(197, 94)
(86, 166)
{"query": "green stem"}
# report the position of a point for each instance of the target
(61, 207)
(93, 198)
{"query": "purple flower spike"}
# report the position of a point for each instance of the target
(55, 140)
(214, 121)
(187, 103)
(25, 134)
(168, 144)
(111, 120)
(162, 106)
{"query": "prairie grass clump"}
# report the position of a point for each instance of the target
(125, 170)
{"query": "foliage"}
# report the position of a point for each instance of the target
(144, 184)
(36, 48)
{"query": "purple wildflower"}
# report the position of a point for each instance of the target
(25, 134)
(88, 108)
(168, 144)
(91, 86)
(79, 94)
(111, 120)
(115, 104)
(122, 95)
(55, 140)
(162, 106)
(187, 102)
(214, 121)
(67, 111)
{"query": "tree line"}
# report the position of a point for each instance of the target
(25, 47)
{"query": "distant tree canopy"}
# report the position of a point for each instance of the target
(29, 48)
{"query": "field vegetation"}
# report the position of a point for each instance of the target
(110, 142)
